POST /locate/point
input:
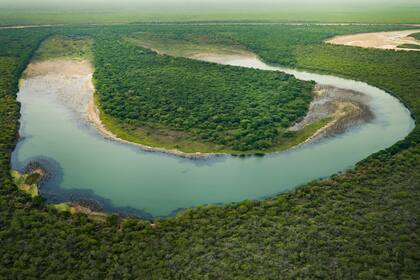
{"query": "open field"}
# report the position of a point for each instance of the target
(326, 14)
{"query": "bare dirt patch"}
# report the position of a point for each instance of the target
(68, 82)
(63, 67)
(378, 40)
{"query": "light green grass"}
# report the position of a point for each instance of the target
(387, 14)
(67, 208)
(18, 178)
(78, 48)
(64, 207)
(185, 47)
(21, 181)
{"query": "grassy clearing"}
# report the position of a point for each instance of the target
(67, 207)
(79, 48)
(373, 14)
(64, 207)
(184, 47)
(27, 183)
(295, 138)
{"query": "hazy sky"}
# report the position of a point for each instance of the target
(200, 4)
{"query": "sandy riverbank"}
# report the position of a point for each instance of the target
(64, 67)
(222, 58)
(345, 108)
(379, 40)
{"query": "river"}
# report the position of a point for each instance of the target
(125, 178)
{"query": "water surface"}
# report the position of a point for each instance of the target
(157, 183)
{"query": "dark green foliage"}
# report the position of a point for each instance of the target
(16, 48)
(409, 46)
(32, 178)
(235, 107)
(416, 36)
(363, 224)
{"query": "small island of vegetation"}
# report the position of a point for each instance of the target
(194, 106)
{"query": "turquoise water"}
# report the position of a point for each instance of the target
(53, 127)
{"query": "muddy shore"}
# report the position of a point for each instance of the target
(379, 40)
(346, 108)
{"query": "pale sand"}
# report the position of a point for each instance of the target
(379, 40)
(221, 58)
(64, 67)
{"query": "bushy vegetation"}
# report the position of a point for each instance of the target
(16, 48)
(409, 46)
(362, 224)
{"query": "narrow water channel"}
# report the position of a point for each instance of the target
(120, 175)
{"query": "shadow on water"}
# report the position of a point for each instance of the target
(51, 190)
(169, 182)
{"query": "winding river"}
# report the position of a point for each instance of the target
(123, 176)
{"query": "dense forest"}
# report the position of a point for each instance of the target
(362, 224)
(409, 46)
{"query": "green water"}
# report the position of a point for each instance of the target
(53, 128)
